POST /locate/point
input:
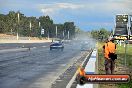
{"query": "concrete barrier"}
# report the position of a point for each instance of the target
(90, 69)
(75, 75)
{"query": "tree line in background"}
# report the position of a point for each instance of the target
(101, 34)
(31, 26)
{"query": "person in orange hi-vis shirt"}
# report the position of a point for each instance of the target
(109, 55)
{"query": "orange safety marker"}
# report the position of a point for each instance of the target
(81, 71)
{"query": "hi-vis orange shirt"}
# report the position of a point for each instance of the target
(106, 52)
(109, 48)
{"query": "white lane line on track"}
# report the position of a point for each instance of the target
(34, 47)
(44, 46)
(12, 50)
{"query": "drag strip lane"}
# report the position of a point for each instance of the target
(38, 67)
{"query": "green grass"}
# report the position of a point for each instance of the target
(120, 61)
(101, 59)
(125, 85)
(121, 55)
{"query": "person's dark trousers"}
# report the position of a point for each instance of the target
(109, 66)
(112, 66)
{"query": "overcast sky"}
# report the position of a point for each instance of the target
(87, 14)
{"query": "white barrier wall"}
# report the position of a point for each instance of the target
(90, 69)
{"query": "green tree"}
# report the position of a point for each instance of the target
(47, 24)
(9, 24)
(100, 34)
(69, 26)
(60, 30)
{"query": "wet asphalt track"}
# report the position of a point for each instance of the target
(37, 68)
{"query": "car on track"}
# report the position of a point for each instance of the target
(57, 45)
(85, 46)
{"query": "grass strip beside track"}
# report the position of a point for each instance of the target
(120, 67)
